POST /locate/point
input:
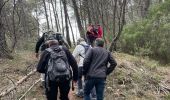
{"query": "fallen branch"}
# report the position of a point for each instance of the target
(29, 89)
(19, 82)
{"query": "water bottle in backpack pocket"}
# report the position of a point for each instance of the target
(58, 68)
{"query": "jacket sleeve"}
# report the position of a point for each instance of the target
(112, 62)
(87, 61)
(73, 63)
(77, 51)
(41, 67)
(38, 44)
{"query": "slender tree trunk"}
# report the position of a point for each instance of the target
(114, 4)
(50, 16)
(62, 22)
(121, 25)
(81, 30)
(46, 15)
(14, 31)
(66, 22)
(37, 20)
(54, 12)
(88, 11)
(4, 51)
(102, 17)
(72, 31)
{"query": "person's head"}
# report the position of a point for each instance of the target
(80, 40)
(52, 42)
(99, 42)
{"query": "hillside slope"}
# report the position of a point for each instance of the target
(134, 78)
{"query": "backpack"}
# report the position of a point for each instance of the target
(53, 36)
(86, 47)
(58, 68)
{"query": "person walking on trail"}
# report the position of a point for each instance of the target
(41, 44)
(55, 62)
(79, 53)
(96, 69)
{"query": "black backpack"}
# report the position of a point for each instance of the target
(58, 68)
(53, 36)
(86, 47)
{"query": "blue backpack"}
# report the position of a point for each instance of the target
(86, 47)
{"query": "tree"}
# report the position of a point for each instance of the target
(81, 30)
(46, 14)
(66, 21)
(121, 23)
(4, 51)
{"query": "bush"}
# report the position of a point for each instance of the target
(151, 36)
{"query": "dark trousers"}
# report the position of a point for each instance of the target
(80, 74)
(90, 40)
(52, 90)
(98, 83)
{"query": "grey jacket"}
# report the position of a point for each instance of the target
(96, 61)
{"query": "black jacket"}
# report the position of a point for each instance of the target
(42, 64)
(96, 63)
(40, 43)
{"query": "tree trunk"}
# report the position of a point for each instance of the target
(62, 22)
(55, 16)
(81, 30)
(4, 51)
(51, 16)
(66, 22)
(14, 31)
(46, 15)
(88, 11)
(72, 31)
(120, 24)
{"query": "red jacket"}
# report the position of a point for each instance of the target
(100, 32)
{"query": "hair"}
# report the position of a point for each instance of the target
(99, 42)
(80, 40)
(52, 42)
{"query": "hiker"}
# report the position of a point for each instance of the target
(93, 32)
(55, 62)
(79, 53)
(41, 41)
(95, 69)
(41, 44)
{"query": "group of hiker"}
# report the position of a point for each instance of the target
(87, 67)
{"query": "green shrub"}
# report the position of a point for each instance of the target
(151, 36)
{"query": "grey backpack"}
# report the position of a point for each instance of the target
(58, 68)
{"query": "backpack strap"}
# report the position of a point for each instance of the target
(84, 50)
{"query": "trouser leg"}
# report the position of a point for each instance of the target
(89, 84)
(64, 87)
(51, 92)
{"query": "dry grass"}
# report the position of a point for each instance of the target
(135, 78)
